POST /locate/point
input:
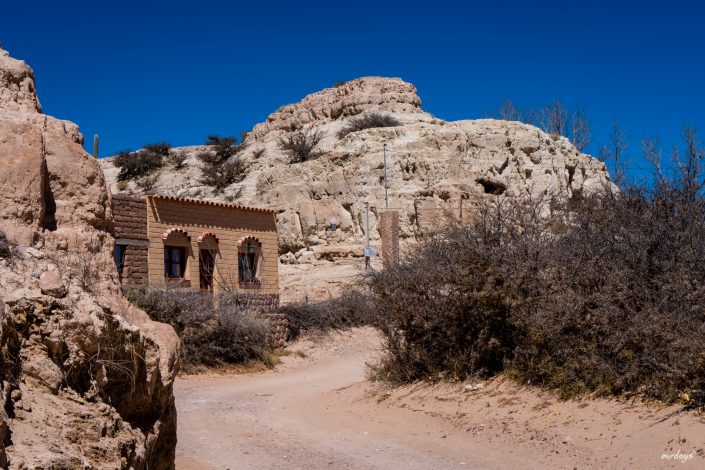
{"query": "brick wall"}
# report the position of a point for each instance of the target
(129, 217)
(130, 231)
(135, 269)
(230, 225)
(389, 232)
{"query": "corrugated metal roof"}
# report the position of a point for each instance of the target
(210, 203)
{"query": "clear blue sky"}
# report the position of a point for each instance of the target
(138, 72)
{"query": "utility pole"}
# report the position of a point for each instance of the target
(367, 246)
(386, 200)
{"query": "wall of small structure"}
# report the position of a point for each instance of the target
(389, 232)
(230, 225)
(130, 230)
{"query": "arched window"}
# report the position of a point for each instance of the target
(249, 252)
(176, 244)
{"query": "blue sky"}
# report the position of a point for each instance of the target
(138, 72)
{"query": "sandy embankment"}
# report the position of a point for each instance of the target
(320, 412)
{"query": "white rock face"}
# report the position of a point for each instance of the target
(62, 330)
(436, 169)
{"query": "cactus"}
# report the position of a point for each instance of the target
(95, 146)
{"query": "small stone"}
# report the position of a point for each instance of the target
(51, 284)
(33, 252)
(567, 440)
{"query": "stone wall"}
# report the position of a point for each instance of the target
(279, 329)
(130, 230)
(129, 217)
(134, 268)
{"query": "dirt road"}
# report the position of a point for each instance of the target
(293, 418)
(320, 412)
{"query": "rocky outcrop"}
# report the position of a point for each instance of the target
(86, 378)
(344, 100)
(436, 169)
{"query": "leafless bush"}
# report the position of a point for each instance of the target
(147, 183)
(615, 151)
(221, 150)
(135, 165)
(223, 175)
(301, 146)
(177, 160)
(85, 268)
(368, 121)
(257, 154)
(222, 166)
(349, 310)
(553, 118)
(608, 297)
(213, 330)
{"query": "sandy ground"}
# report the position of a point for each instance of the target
(319, 412)
(320, 281)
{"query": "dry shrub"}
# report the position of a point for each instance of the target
(301, 146)
(142, 163)
(349, 310)
(368, 121)
(606, 298)
(220, 176)
(214, 330)
(221, 164)
(177, 160)
(147, 183)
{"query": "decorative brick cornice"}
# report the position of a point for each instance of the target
(210, 203)
(205, 235)
(176, 230)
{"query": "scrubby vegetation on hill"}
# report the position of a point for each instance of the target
(606, 296)
(368, 121)
(221, 165)
(134, 165)
(301, 146)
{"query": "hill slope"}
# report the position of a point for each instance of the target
(433, 165)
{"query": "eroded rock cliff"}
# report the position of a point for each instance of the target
(435, 168)
(86, 378)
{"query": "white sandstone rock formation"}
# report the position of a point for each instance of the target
(435, 168)
(86, 379)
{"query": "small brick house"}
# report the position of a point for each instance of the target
(164, 241)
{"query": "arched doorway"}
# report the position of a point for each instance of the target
(208, 251)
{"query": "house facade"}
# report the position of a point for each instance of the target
(165, 241)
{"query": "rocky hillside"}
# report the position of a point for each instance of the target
(436, 168)
(86, 378)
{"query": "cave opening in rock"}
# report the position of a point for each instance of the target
(49, 219)
(492, 187)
